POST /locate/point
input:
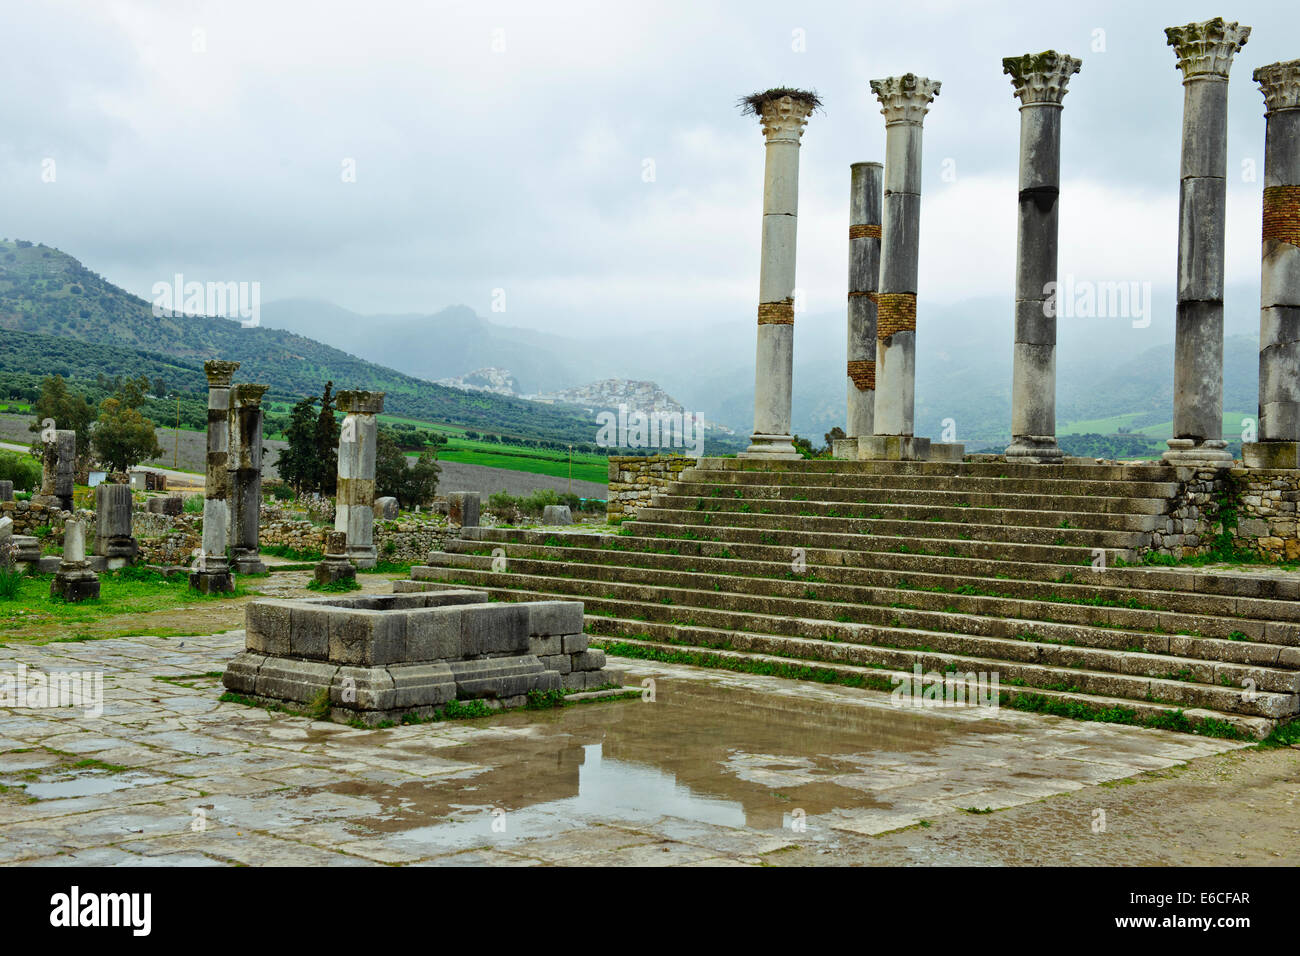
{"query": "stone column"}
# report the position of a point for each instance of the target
(1279, 312)
(113, 538)
(904, 101)
(59, 470)
(783, 114)
(245, 476)
(1205, 52)
(74, 581)
(354, 513)
(865, 184)
(215, 572)
(1040, 83)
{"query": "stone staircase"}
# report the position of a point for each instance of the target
(865, 570)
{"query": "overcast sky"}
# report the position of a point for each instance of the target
(504, 145)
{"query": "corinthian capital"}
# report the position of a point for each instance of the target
(783, 112)
(906, 98)
(1041, 77)
(219, 372)
(1280, 84)
(1206, 48)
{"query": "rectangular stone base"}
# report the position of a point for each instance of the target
(1271, 454)
(946, 451)
(845, 449)
(893, 448)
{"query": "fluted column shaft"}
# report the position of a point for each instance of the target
(1205, 52)
(245, 471)
(783, 119)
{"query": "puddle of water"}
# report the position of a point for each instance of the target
(88, 785)
(704, 753)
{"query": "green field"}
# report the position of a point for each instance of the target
(537, 461)
(1162, 430)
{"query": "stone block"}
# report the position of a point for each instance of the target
(286, 678)
(267, 626)
(546, 646)
(309, 632)
(1271, 454)
(386, 507)
(363, 688)
(589, 660)
(494, 629)
(502, 677)
(241, 672)
(557, 514)
(463, 508)
(554, 617)
(433, 634)
(563, 663)
(893, 448)
(366, 637)
(169, 505)
(422, 685)
(574, 643)
(6, 491)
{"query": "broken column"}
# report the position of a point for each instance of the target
(113, 538)
(904, 101)
(1040, 82)
(74, 581)
(245, 477)
(58, 470)
(865, 183)
(1279, 312)
(355, 511)
(784, 114)
(334, 565)
(1205, 52)
(214, 574)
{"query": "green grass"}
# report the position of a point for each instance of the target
(537, 461)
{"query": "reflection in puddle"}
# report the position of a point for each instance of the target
(701, 752)
(87, 785)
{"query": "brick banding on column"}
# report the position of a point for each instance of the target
(1282, 214)
(871, 296)
(865, 231)
(897, 313)
(776, 313)
(863, 375)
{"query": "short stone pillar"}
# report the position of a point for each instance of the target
(904, 101)
(355, 510)
(557, 514)
(1279, 312)
(74, 581)
(245, 477)
(783, 114)
(463, 508)
(113, 538)
(6, 491)
(335, 565)
(387, 507)
(1040, 83)
(213, 575)
(865, 184)
(59, 470)
(1205, 52)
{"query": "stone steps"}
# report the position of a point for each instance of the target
(882, 567)
(1079, 671)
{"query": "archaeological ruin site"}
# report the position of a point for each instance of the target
(905, 648)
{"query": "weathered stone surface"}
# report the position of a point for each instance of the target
(386, 507)
(463, 508)
(557, 514)
(554, 617)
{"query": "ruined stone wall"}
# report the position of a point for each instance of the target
(633, 480)
(1259, 505)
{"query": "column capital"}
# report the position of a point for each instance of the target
(1041, 77)
(219, 372)
(906, 98)
(1280, 84)
(1205, 49)
(248, 395)
(782, 112)
(360, 402)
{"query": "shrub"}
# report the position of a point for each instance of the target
(23, 471)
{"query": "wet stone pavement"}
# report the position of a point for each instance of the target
(719, 769)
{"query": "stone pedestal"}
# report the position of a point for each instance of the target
(335, 566)
(463, 509)
(245, 477)
(1205, 52)
(1040, 82)
(6, 491)
(865, 200)
(1279, 313)
(213, 574)
(355, 511)
(893, 448)
(113, 538)
(783, 118)
(904, 101)
(557, 514)
(74, 581)
(387, 507)
(58, 470)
